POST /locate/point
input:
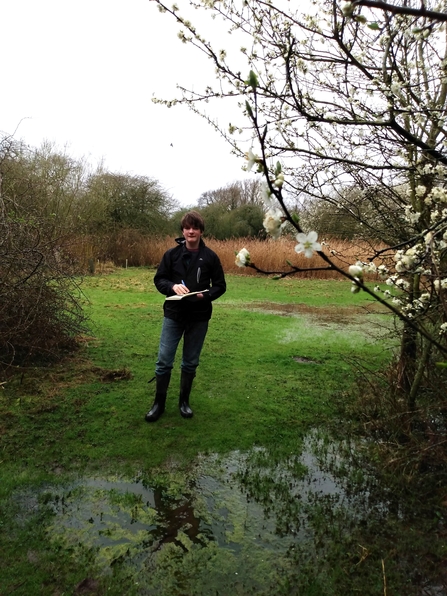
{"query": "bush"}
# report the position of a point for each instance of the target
(40, 308)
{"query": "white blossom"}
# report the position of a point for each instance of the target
(382, 271)
(440, 284)
(242, 258)
(266, 194)
(347, 9)
(405, 262)
(307, 243)
(402, 283)
(251, 159)
(411, 216)
(356, 271)
(420, 190)
(272, 222)
(370, 268)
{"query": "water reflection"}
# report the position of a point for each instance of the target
(255, 522)
(242, 499)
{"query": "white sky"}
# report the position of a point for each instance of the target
(82, 74)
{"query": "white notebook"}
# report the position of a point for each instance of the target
(180, 297)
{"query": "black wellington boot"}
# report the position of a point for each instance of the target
(160, 398)
(185, 389)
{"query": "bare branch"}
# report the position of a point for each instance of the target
(404, 10)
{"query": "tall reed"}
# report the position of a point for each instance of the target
(132, 249)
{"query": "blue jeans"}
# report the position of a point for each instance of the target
(193, 333)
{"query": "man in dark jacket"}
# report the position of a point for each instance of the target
(189, 267)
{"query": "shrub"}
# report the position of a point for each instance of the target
(40, 308)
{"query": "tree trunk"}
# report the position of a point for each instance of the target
(421, 367)
(406, 366)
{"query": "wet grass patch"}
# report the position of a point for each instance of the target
(246, 497)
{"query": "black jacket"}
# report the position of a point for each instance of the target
(201, 270)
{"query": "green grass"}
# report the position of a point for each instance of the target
(266, 378)
(249, 382)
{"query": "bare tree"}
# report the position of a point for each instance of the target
(233, 195)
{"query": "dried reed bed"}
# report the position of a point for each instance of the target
(272, 255)
(135, 250)
(126, 248)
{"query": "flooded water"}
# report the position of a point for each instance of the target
(247, 523)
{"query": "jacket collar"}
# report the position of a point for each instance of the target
(182, 242)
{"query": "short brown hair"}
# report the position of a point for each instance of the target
(192, 219)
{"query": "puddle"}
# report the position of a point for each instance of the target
(314, 322)
(242, 524)
(326, 315)
(217, 507)
(120, 517)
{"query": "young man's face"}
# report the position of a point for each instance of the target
(192, 236)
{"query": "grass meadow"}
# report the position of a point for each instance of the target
(280, 363)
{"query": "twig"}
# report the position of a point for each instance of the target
(384, 578)
(291, 272)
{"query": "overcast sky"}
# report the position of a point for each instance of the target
(82, 74)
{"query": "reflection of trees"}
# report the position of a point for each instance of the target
(273, 484)
(175, 516)
(346, 521)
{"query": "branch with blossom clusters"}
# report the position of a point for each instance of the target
(346, 105)
(308, 243)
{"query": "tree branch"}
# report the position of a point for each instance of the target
(417, 12)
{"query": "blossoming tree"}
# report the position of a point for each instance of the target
(350, 96)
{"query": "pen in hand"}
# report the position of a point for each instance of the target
(181, 289)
